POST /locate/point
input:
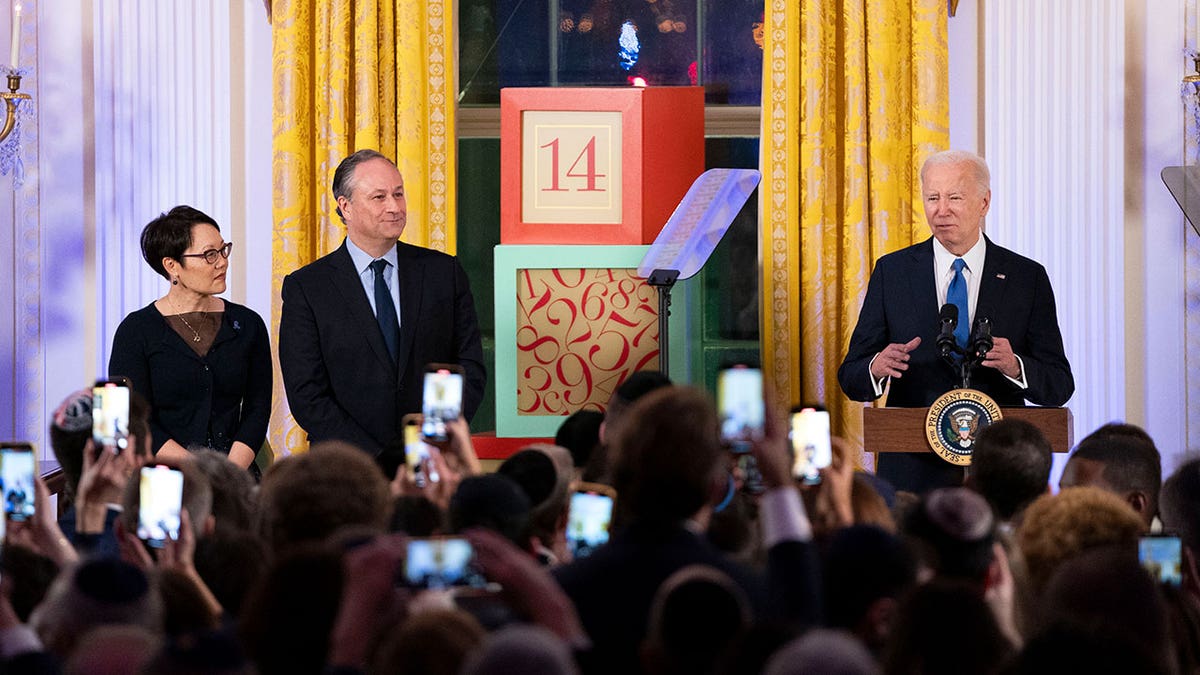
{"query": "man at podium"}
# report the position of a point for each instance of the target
(895, 338)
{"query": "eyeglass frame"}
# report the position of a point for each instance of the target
(210, 256)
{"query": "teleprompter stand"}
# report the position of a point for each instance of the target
(690, 236)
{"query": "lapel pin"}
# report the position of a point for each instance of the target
(1001, 276)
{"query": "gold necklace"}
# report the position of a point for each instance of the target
(195, 333)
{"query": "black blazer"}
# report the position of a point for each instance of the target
(901, 303)
(214, 400)
(340, 381)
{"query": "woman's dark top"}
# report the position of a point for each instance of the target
(211, 400)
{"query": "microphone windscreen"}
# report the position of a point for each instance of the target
(949, 312)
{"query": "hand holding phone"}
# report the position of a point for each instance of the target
(110, 414)
(17, 466)
(417, 453)
(160, 494)
(441, 400)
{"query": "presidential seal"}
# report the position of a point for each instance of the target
(954, 421)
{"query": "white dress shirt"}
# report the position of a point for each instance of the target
(362, 263)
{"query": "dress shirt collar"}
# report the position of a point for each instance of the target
(943, 259)
(362, 259)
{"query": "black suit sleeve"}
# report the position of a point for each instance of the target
(256, 400)
(305, 376)
(869, 338)
(467, 342)
(1047, 371)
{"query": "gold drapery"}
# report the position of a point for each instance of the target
(854, 98)
(347, 75)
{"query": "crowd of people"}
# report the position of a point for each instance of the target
(306, 572)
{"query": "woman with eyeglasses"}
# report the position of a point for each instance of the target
(204, 363)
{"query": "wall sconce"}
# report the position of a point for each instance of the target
(11, 98)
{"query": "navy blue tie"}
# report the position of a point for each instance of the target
(956, 294)
(385, 311)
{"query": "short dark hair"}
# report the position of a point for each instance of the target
(343, 176)
(666, 454)
(579, 434)
(1131, 461)
(953, 530)
(170, 234)
(633, 388)
(1181, 504)
(1011, 465)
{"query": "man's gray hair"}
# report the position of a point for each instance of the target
(343, 176)
(983, 177)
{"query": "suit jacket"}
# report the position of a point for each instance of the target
(613, 588)
(340, 380)
(211, 400)
(901, 303)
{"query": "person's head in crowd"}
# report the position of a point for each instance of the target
(1122, 459)
(1095, 650)
(307, 497)
(233, 490)
(100, 591)
(829, 652)
(1107, 588)
(668, 463)
(287, 620)
(1180, 506)
(197, 499)
(27, 576)
(1059, 527)
(866, 572)
(431, 642)
(492, 501)
(637, 385)
(231, 562)
(203, 653)
(580, 434)
(71, 429)
(697, 616)
(525, 649)
(118, 648)
(952, 531)
(945, 627)
(544, 473)
(1010, 466)
(868, 505)
(417, 516)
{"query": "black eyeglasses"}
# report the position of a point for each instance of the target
(210, 256)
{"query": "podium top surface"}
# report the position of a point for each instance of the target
(698, 223)
(1184, 184)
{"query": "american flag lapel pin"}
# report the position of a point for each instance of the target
(1000, 276)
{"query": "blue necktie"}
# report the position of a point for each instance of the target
(956, 295)
(385, 311)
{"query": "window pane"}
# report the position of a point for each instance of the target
(526, 43)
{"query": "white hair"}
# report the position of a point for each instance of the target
(983, 177)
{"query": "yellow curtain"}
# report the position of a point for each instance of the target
(854, 97)
(347, 75)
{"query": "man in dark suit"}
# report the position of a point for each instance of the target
(895, 339)
(359, 325)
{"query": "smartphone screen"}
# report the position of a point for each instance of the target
(441, 562)
(811, 449)
(588, 519)
(161, 496)
(17, 465)
(740, 406)
(441, 400)
(1162, 556)
(110, 414)
(416, 455)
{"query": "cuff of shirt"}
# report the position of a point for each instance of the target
(783, 517)
(879, 384)
(18, 640)
(1020, 379)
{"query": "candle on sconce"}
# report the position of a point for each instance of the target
(16, 36)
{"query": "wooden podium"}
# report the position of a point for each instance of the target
(903, 429)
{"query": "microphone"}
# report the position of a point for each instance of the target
(948, 318)
(981, 340)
